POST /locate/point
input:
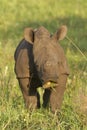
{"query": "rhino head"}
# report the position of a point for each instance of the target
(49, 57)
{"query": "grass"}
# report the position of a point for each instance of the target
(14, 17)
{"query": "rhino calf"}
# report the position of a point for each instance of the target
(39, 59)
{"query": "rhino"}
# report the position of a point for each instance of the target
(40, 60)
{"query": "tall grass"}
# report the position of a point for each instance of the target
(15, 15)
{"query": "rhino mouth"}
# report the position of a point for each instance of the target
(49, 78)
(50, 84)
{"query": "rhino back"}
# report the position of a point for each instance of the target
(24, 61)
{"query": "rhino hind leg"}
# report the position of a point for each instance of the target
(56, 96)
(29, 96)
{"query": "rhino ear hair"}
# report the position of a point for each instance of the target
(29, 35)
(61, 33)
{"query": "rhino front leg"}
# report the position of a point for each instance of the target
(29, 98)
(56, 97)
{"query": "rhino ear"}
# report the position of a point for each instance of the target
(29, 35)
(61, 33)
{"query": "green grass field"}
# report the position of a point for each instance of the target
(15, 15)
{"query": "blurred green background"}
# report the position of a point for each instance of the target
(15, 15)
